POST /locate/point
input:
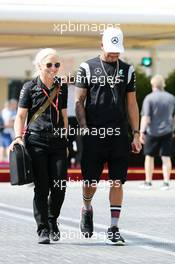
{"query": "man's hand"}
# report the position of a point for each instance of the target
(142, 138)
(136, 144)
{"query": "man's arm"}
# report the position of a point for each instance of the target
(80, 97)
(133, 111)
(145, 120)
(133, 114)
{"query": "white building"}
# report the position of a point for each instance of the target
(74, 27)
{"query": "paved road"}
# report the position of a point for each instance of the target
(147, 223)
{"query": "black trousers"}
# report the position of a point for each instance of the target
(49, 160)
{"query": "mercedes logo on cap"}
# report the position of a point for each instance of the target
(114, 40)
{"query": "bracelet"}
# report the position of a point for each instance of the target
(18, 137)
(136, 132)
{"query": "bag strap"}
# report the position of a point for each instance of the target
(44, 106)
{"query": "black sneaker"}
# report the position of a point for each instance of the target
(114, 237)
(44, 237)
(86, 224)
(54, 231)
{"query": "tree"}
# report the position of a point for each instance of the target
(143, 86)
(170, 82)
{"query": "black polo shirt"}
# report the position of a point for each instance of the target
(106, 106)
(32, 97)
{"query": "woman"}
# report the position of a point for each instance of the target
(43, 140)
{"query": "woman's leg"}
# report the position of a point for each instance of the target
(58, 178)
(41, 189)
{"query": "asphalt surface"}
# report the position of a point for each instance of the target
(147, 223)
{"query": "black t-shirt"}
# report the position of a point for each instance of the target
(106, 96)
(32, 97)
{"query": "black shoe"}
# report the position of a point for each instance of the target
(44, 237)
(86, 224)
(114, 237)
(54, 231)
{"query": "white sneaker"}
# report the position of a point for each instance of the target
(165, 186)
(146, 185)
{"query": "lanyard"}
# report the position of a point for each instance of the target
(55, 105)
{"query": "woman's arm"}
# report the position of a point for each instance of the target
(65, 120)
(19, 126)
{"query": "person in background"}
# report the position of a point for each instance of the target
(1, 140)
(8, 114)
(156, 130)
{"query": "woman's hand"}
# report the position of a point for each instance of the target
(16, 141)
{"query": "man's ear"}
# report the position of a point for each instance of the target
(101, 45)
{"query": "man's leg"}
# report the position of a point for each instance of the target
(91, 167)
(166, 168)
(151, 149)
(119, 166)
(149, 168)
(86, 224)
(115, 198)
(165, 153)
(88, 193)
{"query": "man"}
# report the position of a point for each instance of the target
(105, 89)
(156, 130)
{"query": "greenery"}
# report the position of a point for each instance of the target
(170, 82)
(143, 86)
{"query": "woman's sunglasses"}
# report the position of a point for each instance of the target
(49, 65)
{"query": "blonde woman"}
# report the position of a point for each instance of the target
(44, 141)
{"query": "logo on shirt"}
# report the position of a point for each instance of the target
(114, 40)
(98, 71)
(121, 72)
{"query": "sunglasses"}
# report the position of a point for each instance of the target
(56, 65)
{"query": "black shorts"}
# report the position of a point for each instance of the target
(111, 150)
(158, 146)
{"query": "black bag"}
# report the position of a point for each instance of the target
(20, 166)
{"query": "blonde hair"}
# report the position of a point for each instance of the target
(40, 56)
(158, 82)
